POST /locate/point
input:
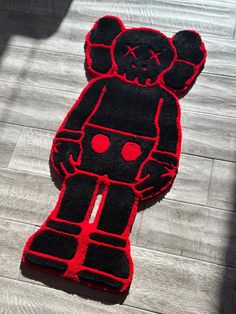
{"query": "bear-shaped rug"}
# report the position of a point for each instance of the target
(122, 137)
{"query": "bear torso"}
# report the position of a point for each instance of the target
(128, 108)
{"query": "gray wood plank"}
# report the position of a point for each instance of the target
(32, 151)
(223, 185)
(9, 135)
(194, 231)
(206, 18)
(12, 240)
(26, 197)
(200, 129)
(171, 284)
(42, 68)
(37, 32)
(221, 56)
(34, 106)
(213, 95)
(192, 181)
(20, 297)
(136, 227)
(32, 154)
(229, 3)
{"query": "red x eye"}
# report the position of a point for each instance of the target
(131, 51)
(155, 56)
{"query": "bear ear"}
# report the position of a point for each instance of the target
(99, 44)
(191, 57)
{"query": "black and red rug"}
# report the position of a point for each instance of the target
(121, 137)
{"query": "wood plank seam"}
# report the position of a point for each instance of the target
(184, 152)
(208, 192)
(47, 176)
(81, 295)
(14, 147)
(81, 55)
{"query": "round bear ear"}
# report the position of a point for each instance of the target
(99, 44)
(191, 57)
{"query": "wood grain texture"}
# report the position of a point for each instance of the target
(19, 297)
(212, 95)
(221, 56)
(32, 151)
(8, 137)
(135, 228)
(182, 285)
(34, 106)
(192, 182)
(228, 3)
(208, 18)
(198, 131)
(42, 68)
(26, 197)
(223, 185)
(189, 230)
(12, 240)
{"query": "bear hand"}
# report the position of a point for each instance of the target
(64, 154)
(155, 178)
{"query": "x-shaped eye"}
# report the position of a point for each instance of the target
(155, 56)
(131, 51)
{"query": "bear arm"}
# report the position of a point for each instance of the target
(81, 110)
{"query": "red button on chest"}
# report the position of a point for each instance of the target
(100, 143)
(131, 151)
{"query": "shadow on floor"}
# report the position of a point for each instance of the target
(228, 287)
(73, 287)
(35, 19)
(31, 19)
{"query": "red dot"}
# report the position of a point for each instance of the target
(100, 143)
(131, 151)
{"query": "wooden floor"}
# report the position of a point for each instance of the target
(184, 248)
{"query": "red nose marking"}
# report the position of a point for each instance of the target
(100, 143)
(131, 151)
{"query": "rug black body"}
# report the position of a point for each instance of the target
(122, 137)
